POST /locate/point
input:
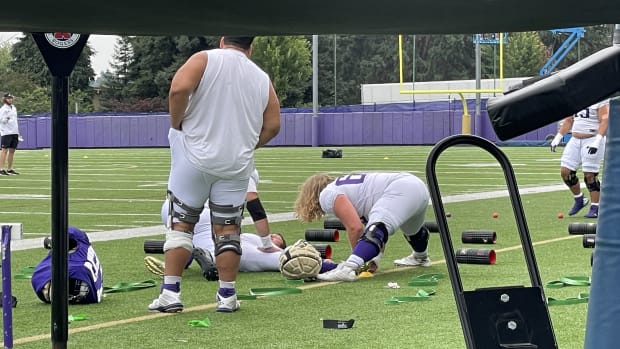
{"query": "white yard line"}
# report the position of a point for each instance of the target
(120, 234)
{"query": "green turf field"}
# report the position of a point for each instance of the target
(111, 189)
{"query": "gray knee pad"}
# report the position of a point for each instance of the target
(191, 214)
(228, 242)
(177, 238)
(226, 214)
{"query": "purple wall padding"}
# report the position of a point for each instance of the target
(419, 127)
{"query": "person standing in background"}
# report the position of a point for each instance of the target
(9, 130)
(586, 148)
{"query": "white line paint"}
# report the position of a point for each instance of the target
(277, 217)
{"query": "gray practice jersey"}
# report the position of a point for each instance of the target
(396, 199)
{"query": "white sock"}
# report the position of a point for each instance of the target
(358, 261)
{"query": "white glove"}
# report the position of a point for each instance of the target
(556, 141)
(20, 138)
(596, 143)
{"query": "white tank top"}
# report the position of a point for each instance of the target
(586, 121)
(224, 116)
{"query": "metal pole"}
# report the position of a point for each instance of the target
(494, 67)
(335, 80)
(7, 292)
(413, 73)
(315, 90)
(616, 35)
(60, 208)
(478, 86)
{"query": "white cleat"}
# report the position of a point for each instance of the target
(414, 260)
(167, 302)
(343, 272)
(226, 304)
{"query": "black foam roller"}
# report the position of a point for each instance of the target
(432, 227)
(322, 235)
(588, 240)
(557, 96)
(154, 246)
(325, 250)
(478, 237)
(475, 256)
(581, 228)
(333, 223)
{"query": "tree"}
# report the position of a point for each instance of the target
(5, 57)
(287, 61)
(156, 59)
(524, 56)
(117, 81)
(445, 57)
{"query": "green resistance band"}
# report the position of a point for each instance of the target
(426, 279)
(564, 281)
(129, 286)
(274, 291)
(200, 323)
(25, 273)
(422, 295)
(78, 317)
(582, 297)
(271, 291)
(569, 281)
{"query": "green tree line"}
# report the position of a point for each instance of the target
(142, 67)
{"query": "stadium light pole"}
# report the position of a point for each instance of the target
(478, 87)
(413, 70)
(335, 79)
(315, 90)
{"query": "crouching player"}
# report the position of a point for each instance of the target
(387, 201)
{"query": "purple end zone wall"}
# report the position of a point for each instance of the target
(338, 128)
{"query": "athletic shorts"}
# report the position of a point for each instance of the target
(575, 154)
(9, 141)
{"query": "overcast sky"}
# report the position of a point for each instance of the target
(102, 44)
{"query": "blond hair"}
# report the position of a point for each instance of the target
(307, 206)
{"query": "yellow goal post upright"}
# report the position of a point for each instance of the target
(466, 120)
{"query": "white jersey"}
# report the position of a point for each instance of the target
(576, 153)
(8, 120)
(225, 114)
(587, 120)
(396, 199)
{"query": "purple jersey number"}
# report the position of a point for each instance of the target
(350, 179)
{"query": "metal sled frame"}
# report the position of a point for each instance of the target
(504, 317)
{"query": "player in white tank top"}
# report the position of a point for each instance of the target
(222, 107)
(371, 206)
(586, 148)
